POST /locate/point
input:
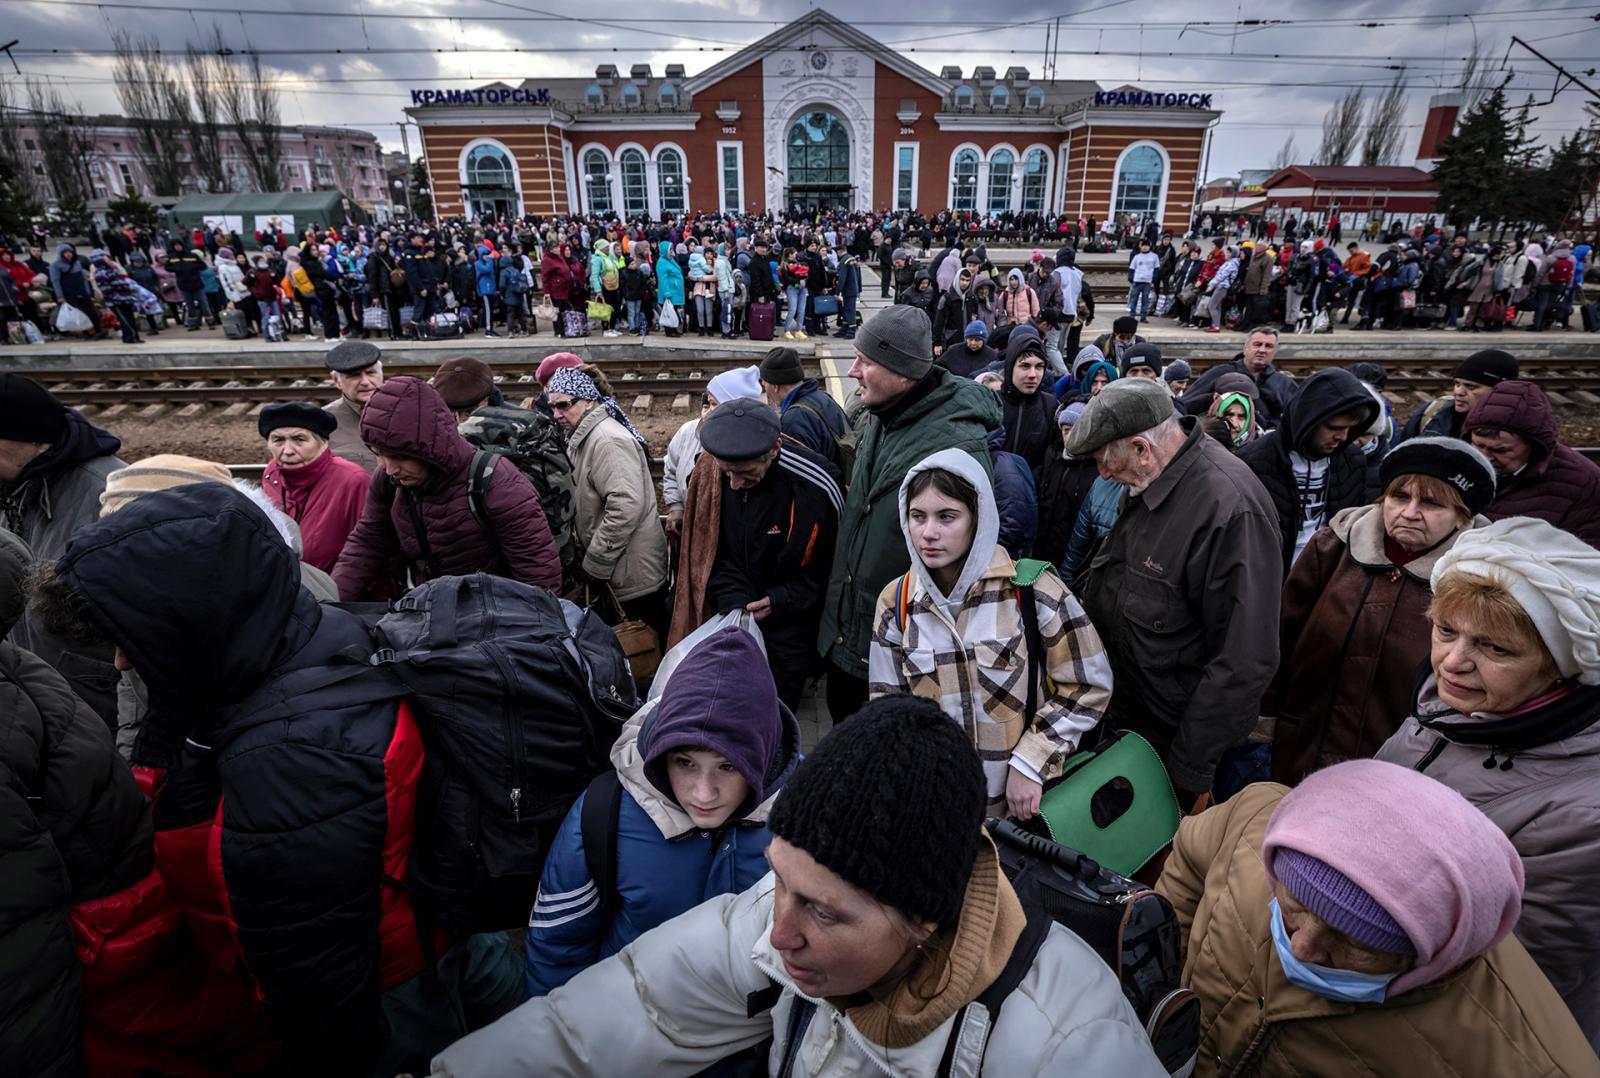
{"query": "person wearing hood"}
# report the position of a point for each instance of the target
(1508, 714)
(70, 282)
(1275, 389)
(1360, 924)
(1096, 375)
(1231, 418)
(1353, 626)
(955, 311)
(321, 492)
(972, 355)
(952, 630)
(605, 283)
(883, 879)
(760, 523)
(53, 467)
(670, 287)
(1019, 303)
(1515, 427)
(76, 834)
(284, 878)
(920, 295)
(419, 511)
(697, 770)
(1029, 408)
(912, 409)
(1311, 467)
(618, 529)
(1064, 483)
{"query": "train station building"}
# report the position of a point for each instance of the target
(815, 115)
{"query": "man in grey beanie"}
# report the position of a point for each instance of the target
(1184, 589)
(912, 409)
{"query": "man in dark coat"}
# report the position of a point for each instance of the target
(1515, 427)
(1277, 389)
(1311, 466)
(423, 279)
(74, 828)
(307, 811)
(809, 414)
(53, 468)
(186, 266)
(779, 519)
(420, 510)
(1472, 380)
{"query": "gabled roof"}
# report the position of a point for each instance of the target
(797, 32)
(1355, 174)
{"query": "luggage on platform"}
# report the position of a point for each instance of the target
(763, 317)
(235, 326)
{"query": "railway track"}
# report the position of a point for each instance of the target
(639, 384)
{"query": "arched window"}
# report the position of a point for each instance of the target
(490, 187)
(669, 97)
(1001, 165)
(1140, 177)
(964, 195)
(998, 97)
(594, 97)
(963, 97)
(1035, 98)
(596, 181)
(634, 196)
(488, 166)
(819, 152)
(1033, 180)
(630, 96)
(669, 172)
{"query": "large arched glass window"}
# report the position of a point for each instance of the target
(488, 166)
(1139, 181)
(1033, 177)
(819, 151)
(964, 195)
(597, 182)
(669, 172)
(1001, 165)
(634, 197)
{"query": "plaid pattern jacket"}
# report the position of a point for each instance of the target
(976, 668)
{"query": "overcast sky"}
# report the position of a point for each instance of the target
(1271, 81)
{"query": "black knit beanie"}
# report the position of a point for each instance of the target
(892, 802)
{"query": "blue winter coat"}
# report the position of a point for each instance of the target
(669, 278)
(487, 272)
(659, 875)
(1098, 514)
(1014, 498)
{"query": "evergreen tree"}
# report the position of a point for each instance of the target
(1475, 164)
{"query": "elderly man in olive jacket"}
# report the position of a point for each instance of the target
(1184, 589)
(912, 409)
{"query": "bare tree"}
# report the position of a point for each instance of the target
(1382, 136)
(204, 118)
(1341, 129)
(1286, 154)
(19, 194)
(344, 168)
(1478, 78)
(249, 103)
(66, 142)
(144, 83)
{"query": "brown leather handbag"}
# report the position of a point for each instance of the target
(640, 643)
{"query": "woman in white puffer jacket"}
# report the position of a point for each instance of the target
(886, 913)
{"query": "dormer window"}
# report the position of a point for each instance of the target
(669, 97)
(594, 97)
(963, 97)
(998, 97)
(1035, 99)
(630, 96)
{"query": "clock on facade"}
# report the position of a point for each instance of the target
(819, 60)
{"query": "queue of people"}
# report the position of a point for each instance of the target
(1362, 658)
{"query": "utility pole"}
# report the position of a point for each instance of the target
(1589, 186)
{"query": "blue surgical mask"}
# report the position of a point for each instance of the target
(1343, 985)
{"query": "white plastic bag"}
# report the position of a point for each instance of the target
(741, 619)
(71, 320)
(668, 317)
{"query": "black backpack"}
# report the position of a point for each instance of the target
(519, 696)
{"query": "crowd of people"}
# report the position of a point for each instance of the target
(1363, 648)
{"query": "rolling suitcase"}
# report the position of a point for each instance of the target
(763, 316)
(235, 327)
(574, 324)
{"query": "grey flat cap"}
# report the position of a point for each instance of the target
(1122, 409)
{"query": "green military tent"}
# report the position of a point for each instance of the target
(247, 214)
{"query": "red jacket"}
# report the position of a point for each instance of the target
(325, 498)
(407, 417)
(1558, 485)
(555, 276)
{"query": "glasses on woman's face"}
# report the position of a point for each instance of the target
(560, 406)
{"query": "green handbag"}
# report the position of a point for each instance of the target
(600, 311)
(1113, 803)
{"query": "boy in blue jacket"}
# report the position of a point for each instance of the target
(699, 768)
(512, 290)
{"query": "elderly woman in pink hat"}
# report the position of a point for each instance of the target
(1361, 924)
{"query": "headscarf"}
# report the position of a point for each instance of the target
(1226, 401)
(579, 386)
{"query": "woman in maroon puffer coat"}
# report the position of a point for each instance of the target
(418, 509)
(1515, 427)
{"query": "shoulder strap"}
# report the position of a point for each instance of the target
(602, 810)
(479, 476)
(902, 602)
(1027, 574)
(972, 1024)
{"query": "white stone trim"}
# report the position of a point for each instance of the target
(916, 174)
(570, 164)
(1166, 176)
(722, 194)
(461, 171)
(801, 30)
(636, 121)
